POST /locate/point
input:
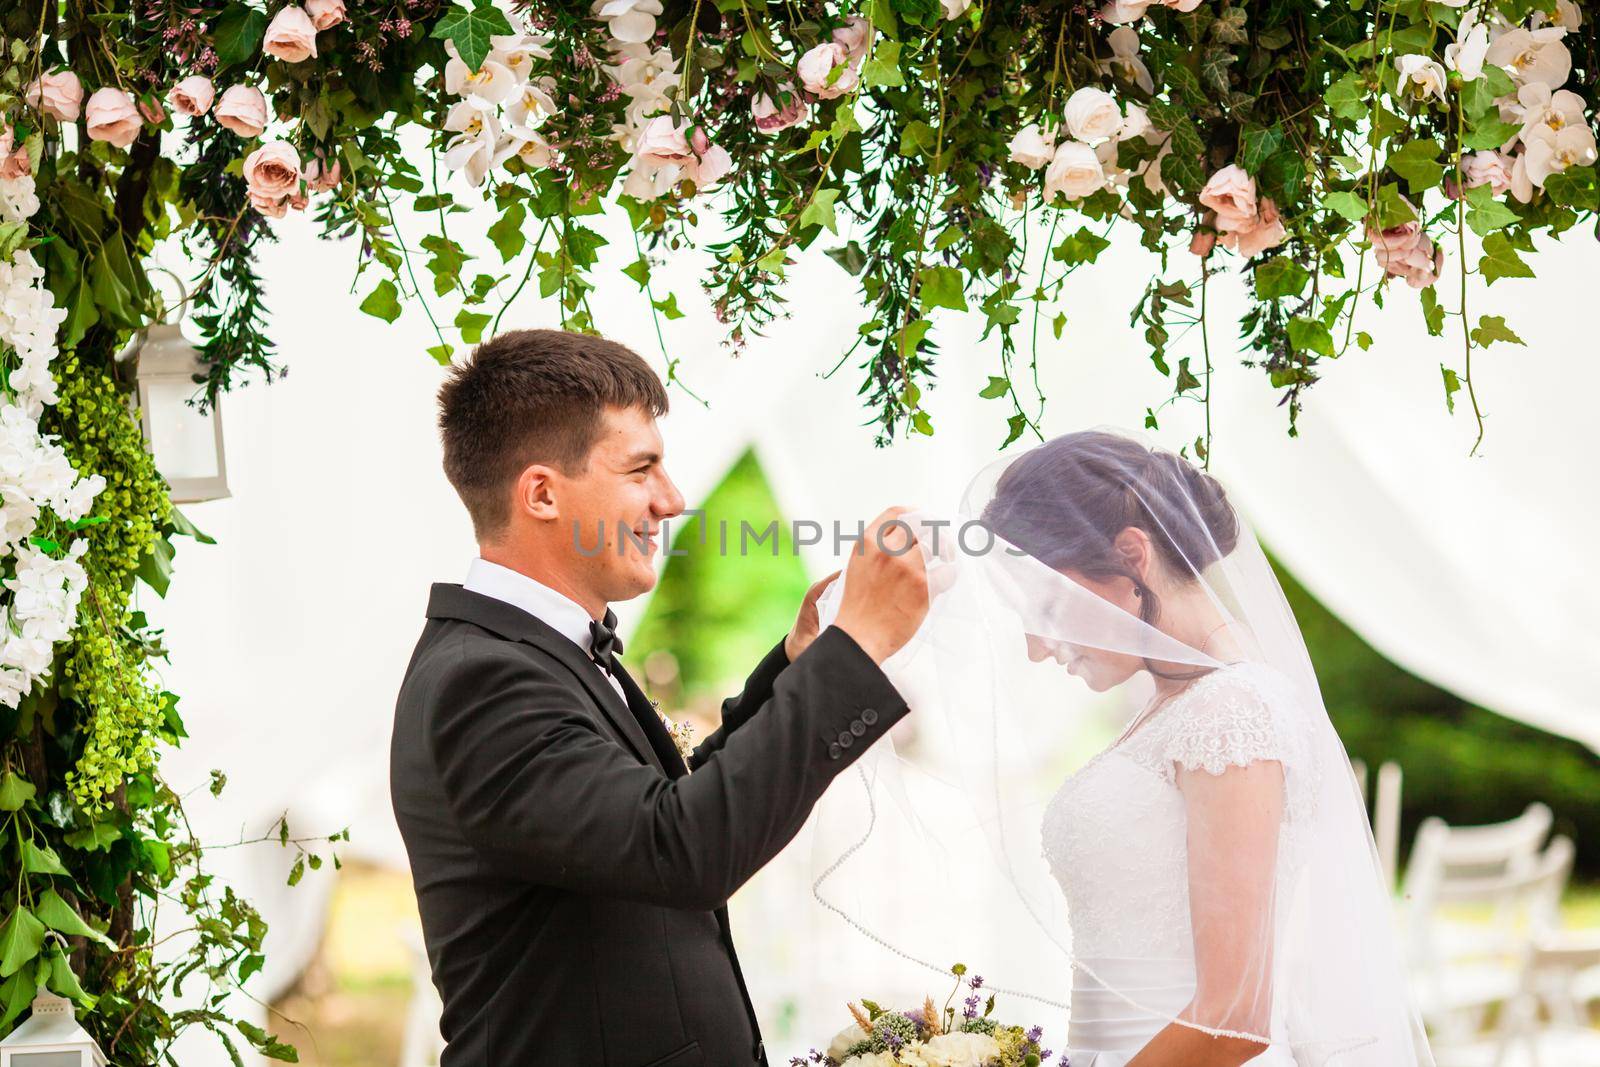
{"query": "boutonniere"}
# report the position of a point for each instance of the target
(682, 733)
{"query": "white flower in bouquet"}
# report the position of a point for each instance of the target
(477, 146)
(1420, 76)
(827, 71)
(517, 52)
(845, 1040)
(1532, 55)
(1093, 114)
(1074, 172)
(535, 103)
(1569, 16)
(871, 1059)
(1032, 147)
(952, 1050)
(954, 9)
(630, 21)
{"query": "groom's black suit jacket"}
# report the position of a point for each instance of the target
(570, 871)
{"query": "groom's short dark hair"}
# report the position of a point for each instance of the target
(533, 396)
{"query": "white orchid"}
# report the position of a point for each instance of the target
(1125, 61)
(1465, 55)
(485, 88)
(517, 53)
(534, 103)
(630, 21)
(1538, 108)
(1532, 55)
(478, 144)
(1420, 76)
(1551, 152)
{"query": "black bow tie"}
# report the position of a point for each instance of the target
(603, 640)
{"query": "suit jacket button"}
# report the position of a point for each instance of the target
(869, 716)
(833, 751)
(858, 728)
(845, 740)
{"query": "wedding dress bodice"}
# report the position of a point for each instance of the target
(1115, 837)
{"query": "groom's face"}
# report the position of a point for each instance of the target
(617, 503)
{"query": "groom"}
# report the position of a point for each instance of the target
(571, 872)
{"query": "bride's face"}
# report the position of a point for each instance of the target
(1100, 668)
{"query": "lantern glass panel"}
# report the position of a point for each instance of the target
(48, 1059)
(183, 440)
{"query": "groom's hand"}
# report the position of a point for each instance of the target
(885, 589)
(805, 624)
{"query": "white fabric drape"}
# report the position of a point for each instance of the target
(290, 635)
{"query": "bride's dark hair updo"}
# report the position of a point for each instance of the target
(1065, 502)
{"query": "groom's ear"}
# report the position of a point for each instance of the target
(536, 493)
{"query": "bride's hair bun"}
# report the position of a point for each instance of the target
(1065, 502)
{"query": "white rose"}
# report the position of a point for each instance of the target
(872, 1059)
(1137, 124)
(954, 1050)
(1075, 171)
(1032, 149)
(1093, 114)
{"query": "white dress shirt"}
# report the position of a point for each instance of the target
(561, 613)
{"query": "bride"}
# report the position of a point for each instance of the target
(1208, 877)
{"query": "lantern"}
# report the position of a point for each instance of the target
(186, 442)
(51, 1037)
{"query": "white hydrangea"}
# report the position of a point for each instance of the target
(35, 473)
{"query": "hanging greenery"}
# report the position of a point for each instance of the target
(949, 155)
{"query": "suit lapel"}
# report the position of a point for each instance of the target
(666, 749)
(451, 601)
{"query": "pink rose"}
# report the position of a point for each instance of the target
(298, 201)
(58, 95)
(153, 112)
(321, 176)
(14, 161)
(272, 171)
(325, 14)
(662, 144)
(1203, 242)
(854, 35)
(1267, 232)
(290, 36)
(1406, 251)
(192, 96)
(710, 168)
(243, 110)
(272, 208)
(1231, 193)
(1487, 168)
(111, 116)
(770, 118)
(816, 69)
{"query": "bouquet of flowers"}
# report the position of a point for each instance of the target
(933, 1037)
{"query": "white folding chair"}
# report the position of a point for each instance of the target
(1460, 967)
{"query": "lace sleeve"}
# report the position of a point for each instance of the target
(1225, 722)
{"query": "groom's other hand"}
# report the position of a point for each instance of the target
(804, 630)
(885, 587)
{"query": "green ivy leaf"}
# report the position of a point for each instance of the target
(668, 307)
(472, 324)
(41, 859)
(1488, 214)
(1452, 386)
(266, 1044)
(997, 388)
(639, 271)
(1280, 277)
(506, 233)
(237, 35)
(883, 69)
(100, 836)
(1432, 312)
(58, 915)
(942, 287)
(15, 995)
(383, 302)
(1084, 246)
(1501, 260)
(15, 791)
(1418, 163)
(1310, 335)
(20, 939)
(1492, 328)
(1392, 208)
(819, 212)
(1258, 145)
(851, 257)
(1347, 97)
(1575, 187)
(1348, 206)
(63, 981)
(470, 31)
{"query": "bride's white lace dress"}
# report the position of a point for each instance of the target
(1116, 838)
